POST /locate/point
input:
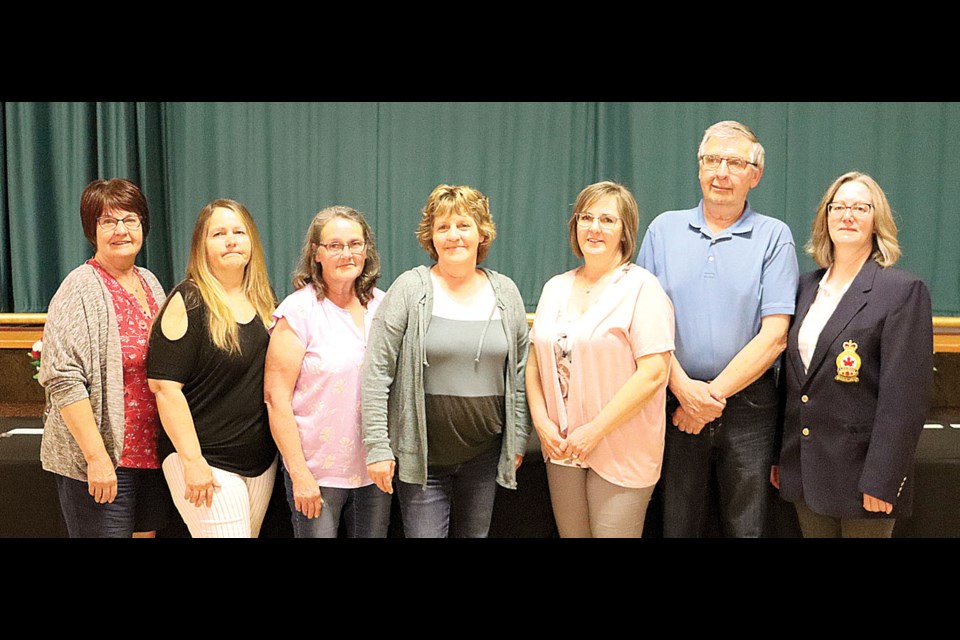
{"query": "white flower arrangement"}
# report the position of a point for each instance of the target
(35, 353)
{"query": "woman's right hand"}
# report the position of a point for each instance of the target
(198, 477)
(306, 496)
(102, 480)
(552, 444)
(382, 474)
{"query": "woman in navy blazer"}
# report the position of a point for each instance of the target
(858, 370)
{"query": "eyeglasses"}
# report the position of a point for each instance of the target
(734, 165)
(108, 223)
(608, 222)
(337, 247)
(859, 209)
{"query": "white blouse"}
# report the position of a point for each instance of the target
(820, 312)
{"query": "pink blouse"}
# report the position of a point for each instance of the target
(139, 404)
(326, 398)
(633, 317)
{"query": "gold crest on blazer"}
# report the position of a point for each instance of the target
(848, 363)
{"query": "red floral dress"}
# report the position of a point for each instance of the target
(141, 421)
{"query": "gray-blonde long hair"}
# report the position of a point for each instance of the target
(309, 271)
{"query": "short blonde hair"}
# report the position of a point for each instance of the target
(447, 199)
(626, 207)
(734, 129)
(886, 249)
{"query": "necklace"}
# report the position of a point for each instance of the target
(132, 287)
(588, 288)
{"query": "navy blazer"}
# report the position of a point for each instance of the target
(851, 424)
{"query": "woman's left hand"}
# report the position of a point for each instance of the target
(876, 505)
(518, 461)
(582, 441)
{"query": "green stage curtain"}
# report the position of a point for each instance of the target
(52, 151)
(286, 161)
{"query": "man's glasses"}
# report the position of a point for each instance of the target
(734, 165)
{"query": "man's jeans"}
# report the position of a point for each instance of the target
(739, 448)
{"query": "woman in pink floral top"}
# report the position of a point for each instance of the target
(597, 373)
(103, 444)
(312, 380)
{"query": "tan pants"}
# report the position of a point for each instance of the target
(587, 506)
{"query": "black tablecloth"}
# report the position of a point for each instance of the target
(936, 502)
(29, 506)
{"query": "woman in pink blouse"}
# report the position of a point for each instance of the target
(597, 373)
(100, 419)
(312, 380)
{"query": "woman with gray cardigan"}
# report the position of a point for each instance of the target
(444, 404)
(100, 419)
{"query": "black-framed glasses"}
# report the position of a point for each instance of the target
(608, 222)
(859, 209)
(109, 223)
(734, 165)
(356, 246)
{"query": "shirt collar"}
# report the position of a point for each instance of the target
(744, 223)
(831, 290)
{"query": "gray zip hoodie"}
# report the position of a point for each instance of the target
(394, 418)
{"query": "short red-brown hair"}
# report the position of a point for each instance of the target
(103, 196)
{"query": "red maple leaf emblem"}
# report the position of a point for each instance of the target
(848, 361)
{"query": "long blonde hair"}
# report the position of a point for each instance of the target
(256, 284)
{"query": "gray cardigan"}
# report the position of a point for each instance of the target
(82, 359)
(394, 417)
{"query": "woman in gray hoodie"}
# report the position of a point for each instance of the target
(444, 406)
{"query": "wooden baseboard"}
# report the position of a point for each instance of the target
(21, 330)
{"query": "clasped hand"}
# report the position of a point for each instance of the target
(699, 404)
(577, 445)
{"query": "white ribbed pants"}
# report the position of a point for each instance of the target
(238, 505)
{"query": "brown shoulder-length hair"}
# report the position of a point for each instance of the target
(626, 207)
(115, 194)
(467, 201)
(309, 271)
(256, 283)
(886, 249)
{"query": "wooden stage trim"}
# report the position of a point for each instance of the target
(21, 330)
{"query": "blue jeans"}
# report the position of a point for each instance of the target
(464, 491)
(142, 504)
(365, 511)
(739, 448)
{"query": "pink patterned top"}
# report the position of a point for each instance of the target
(326, 398)
(633, 317)
(140, 405)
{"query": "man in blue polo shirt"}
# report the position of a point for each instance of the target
(732, 276)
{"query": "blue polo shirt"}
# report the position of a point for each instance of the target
(721, 286)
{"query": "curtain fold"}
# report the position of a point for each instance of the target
(283, 161)
(6, 288)
(529, 159)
